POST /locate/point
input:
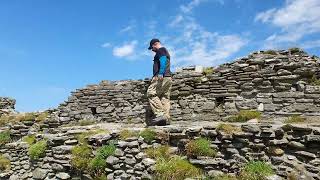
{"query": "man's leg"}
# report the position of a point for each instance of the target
(154, 100)
(165, 99)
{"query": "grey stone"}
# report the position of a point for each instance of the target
(63, 175)
(112, 160)
(250, 128)
(148, 162)
(39, 173)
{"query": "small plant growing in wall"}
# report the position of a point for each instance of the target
(161, 152)
(5, 163)
(200, 147)
(208, 71)
(294, 50)
(86, 122)
(245, 115)
(148, 135)
(256, 170)
(175, 168)
(30, 139)
(125, 133)
(98, 163)
(228, 128)
(170, 166)
(41, 116)
(271, 52)
(314, 81)
(4, 137)
(82, 138)
(81, 157)
(37, 150)
(295, 119)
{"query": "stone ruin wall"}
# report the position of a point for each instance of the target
(289, 148)
(275, 84)
(7, 105)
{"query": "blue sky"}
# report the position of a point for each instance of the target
(49, 48)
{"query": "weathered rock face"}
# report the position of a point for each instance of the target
(287, 148)
(276, 84)
(6, 105)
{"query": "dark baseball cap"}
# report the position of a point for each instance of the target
(152, 42)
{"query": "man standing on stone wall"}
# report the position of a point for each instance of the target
(159, 90)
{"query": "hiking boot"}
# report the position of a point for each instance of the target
(158, 121)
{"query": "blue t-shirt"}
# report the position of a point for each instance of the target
(161, 63)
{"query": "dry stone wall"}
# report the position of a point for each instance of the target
(288, 148)
(280, 83)
(7, 105)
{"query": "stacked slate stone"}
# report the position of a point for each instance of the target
(273, 82)
(7, 105)
(289, 148)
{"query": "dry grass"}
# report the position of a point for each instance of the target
(228, 128)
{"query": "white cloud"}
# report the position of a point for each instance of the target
(188, 8)
(296, 19)
(194, 45)
(188, 42)
(311, 44)
(106, 45)
(125, 50)
(265, 16)
(126, 29)
(176, 20)
(213, 53)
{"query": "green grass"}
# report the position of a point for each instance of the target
(32, 116)
(245, 115)
(228, 128)
(197, 80)
(40, 117)
(4, 137)
(5, 163)
(294, 50)
(82, 160)
(200, 147)
(295, 119)
(27, 117)
(106, 150)
(256, 170)
(175, 168)
(271, 52)
(82, 138)
(148, 135)
(37, 150)
(98, 163)
(81, 157)
(30, 139)
(208, 71)
(314, 81)
(158, 152)
(86, 122)
(125, 133)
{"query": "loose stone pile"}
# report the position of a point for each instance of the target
(274, 82)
